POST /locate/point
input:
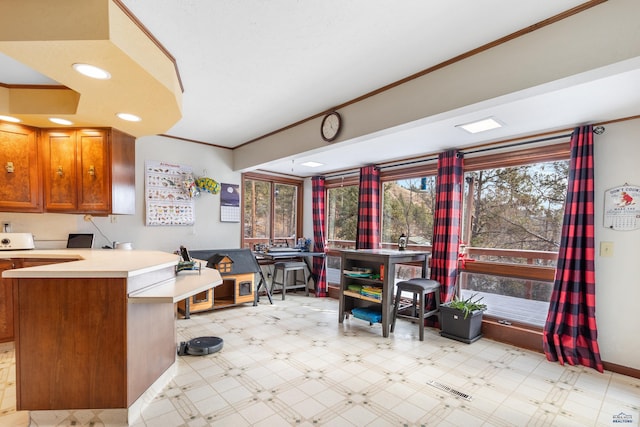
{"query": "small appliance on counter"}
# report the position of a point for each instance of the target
(16, 241)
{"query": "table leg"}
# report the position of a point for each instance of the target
(263, 282)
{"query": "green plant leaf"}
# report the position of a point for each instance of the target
(469, 305)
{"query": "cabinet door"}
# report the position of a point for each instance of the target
(59, 154)
(6, 303)
(20, 173)
(93, 171)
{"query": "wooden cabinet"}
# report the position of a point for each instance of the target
(88, 171)
(6, 292)
(66, 170)
(380, 267)
(80, 358)
(20, 179)
(6, 302)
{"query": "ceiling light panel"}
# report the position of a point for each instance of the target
(312, 164)
(481, 125)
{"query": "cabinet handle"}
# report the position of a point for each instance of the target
(9, 167)
(60, 172)
(92, 170)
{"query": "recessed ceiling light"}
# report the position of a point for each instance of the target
(92, 71)
(481, 125)
(60, 121)
(10, 119)
(311, 164)
(129, 117)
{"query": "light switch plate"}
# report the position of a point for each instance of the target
(606, 249)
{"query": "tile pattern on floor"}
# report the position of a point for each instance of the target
(293, 364)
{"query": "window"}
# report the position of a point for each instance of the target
(512, 222)
(407, 207)
(342, 216)
(271, 210)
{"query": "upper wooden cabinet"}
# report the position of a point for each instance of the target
(20, 178)
(66, 170)
(88, 171)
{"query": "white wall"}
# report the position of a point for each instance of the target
(51, 230)
(617, 157)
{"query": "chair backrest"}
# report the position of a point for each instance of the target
(80, 240)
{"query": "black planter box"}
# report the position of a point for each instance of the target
(453, 324)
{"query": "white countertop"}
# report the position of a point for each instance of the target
(91, 262)
(182, 286)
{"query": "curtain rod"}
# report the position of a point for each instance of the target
(516, 144)
(598, 130)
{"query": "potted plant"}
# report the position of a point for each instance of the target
(461, 319)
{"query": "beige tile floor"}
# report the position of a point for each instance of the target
(292, 364)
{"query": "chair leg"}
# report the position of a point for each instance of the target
(284, 283)
(395, 311)
(421, 300)
(281, 283)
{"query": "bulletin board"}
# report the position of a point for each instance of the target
(621, 208)
(167, 198)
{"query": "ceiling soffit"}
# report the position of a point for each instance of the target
(51, 36)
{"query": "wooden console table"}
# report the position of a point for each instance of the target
(382, 263)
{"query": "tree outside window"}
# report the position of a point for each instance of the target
(342, 215)
(408, 206)
(518, 207)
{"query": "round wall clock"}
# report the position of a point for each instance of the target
(331, 124)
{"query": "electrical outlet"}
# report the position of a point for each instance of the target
(113, 219)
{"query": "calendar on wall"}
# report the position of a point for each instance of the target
(622, 208)
(167, 199)
(230, 203)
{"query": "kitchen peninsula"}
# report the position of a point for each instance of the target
(95, 329)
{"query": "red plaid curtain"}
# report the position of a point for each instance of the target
(447, 222)
(368, 228)
(570, 333)
(318, 209)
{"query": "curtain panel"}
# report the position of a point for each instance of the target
(318, 213)
(447, 222)
(368, 226)
(570, 332)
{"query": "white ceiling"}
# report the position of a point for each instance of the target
(252, 67)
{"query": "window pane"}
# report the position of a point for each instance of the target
(257, 209)
(407, 208)
(342, 214)
(285, 213)
(524, 301)
(518, 207)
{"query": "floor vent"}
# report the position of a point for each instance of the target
(449, 390)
